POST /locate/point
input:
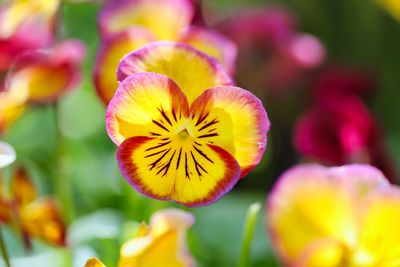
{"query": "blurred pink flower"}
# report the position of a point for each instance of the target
(25, 26)
(32, 72)
(41, 76)
(272, 54)
(336, 130)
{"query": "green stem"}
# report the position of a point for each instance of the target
(251, 219)
(62, 186)
(4, 249)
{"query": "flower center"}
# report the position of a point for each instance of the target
(183, 134)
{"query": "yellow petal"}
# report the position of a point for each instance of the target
(309, 204)
(94, 262)
(38, 78)
(164, 18)
(143, 230)
(177, 169)
(170, 219)
(146, 104)
(165, 245)
(193, 71)
(111, 51)
(233, 119)
(161, 252)
(380, 231)
(323, 252)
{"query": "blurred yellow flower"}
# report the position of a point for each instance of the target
(335, 217)
(17, 12)
(128, 25)
(36, 217)
(28, 81)
(161, 244)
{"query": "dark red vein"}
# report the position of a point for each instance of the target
(166, 166)
(201, 119)
(156, 153)
(214, 121)
(186, 167)
(208, 135)
(202, 153)
(173, 114)
(158, 160)
(197, 165)
(179, 158)
(165, 116)
(159, 145)
(160, 125)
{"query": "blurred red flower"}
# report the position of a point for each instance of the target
(339, 129)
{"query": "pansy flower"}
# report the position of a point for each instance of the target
(339, 216)
(184, 132)
(127, 25)
(35, 217)
(25, 26)
(28, 81)
(161, 244)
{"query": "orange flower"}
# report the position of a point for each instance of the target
(36, 217)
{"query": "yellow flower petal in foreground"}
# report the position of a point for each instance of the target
(163, 245)
(339, 217)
